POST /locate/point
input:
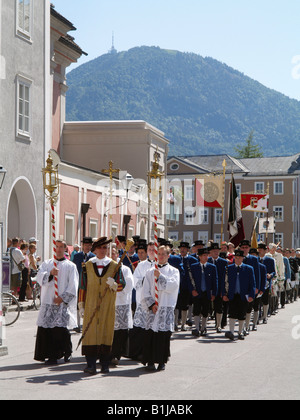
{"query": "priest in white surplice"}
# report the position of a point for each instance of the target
(160, 318)
(57, 315)
(123, 320)
(136, 335)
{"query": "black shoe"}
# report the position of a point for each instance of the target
(67, 359)
(150, 367)
(241, 337)
(204, 333)
(105, 368)
(161, 366)
(254, 328)
(195, 333)
(219, 330)
(51, 362)
(229, 335)
(265, 321)
(90, 370)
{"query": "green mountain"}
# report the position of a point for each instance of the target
(202, 105)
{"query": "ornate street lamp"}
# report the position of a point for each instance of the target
(51, 190)
(51, 181)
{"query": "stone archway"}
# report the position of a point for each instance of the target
(21, 211)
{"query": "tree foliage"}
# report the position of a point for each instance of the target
(203, 106)
(250, 150)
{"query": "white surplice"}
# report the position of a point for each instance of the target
(123, 319)
(168, 288)
(65, 315)
(138, 277)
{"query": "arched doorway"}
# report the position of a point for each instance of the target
(21, 211)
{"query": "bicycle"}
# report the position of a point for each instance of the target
(10, 309)
(36, 294)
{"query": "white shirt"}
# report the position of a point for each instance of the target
(18, 256)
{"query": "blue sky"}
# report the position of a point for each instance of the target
(260, 38)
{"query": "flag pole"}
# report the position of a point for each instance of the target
(224, 179)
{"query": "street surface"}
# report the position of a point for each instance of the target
(264, 366)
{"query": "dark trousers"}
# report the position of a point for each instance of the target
(201, 305)
(238, 308)
(92, 361)
(25, 277)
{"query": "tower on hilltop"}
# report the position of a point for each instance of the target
(113, 50)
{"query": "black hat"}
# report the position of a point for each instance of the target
(239, 253)
(214, 245)
(87, 240)
(121, 238)
(100, 242)
(136, 238)
(168, 243)
(142, 242)
(253, 251)
(200, 242)
(262, 246)
(184, 245)
(245, 242)
(203, 251)
(162, 241)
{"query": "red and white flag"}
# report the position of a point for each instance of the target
(235, 219)
(255, 202)
(209, 191)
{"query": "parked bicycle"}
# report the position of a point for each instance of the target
(36, 294)
(10, 309)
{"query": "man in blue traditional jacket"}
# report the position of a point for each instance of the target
(203, 285)
(239, 291)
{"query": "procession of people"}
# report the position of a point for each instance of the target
(133, 297)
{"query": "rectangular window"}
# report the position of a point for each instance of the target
(238, 189)
(278, 188)
(203, 236)
(203, 217)
(69, 229)
(189, 216)
(173, 236)
(259, 187)
(279, 237)
(218, 238)
(189, 192)
(23, 107)
(278, 212)
(188, 237)
(24, 18)
(218, 216)
(94, 228)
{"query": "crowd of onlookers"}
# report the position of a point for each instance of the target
(23, 266)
